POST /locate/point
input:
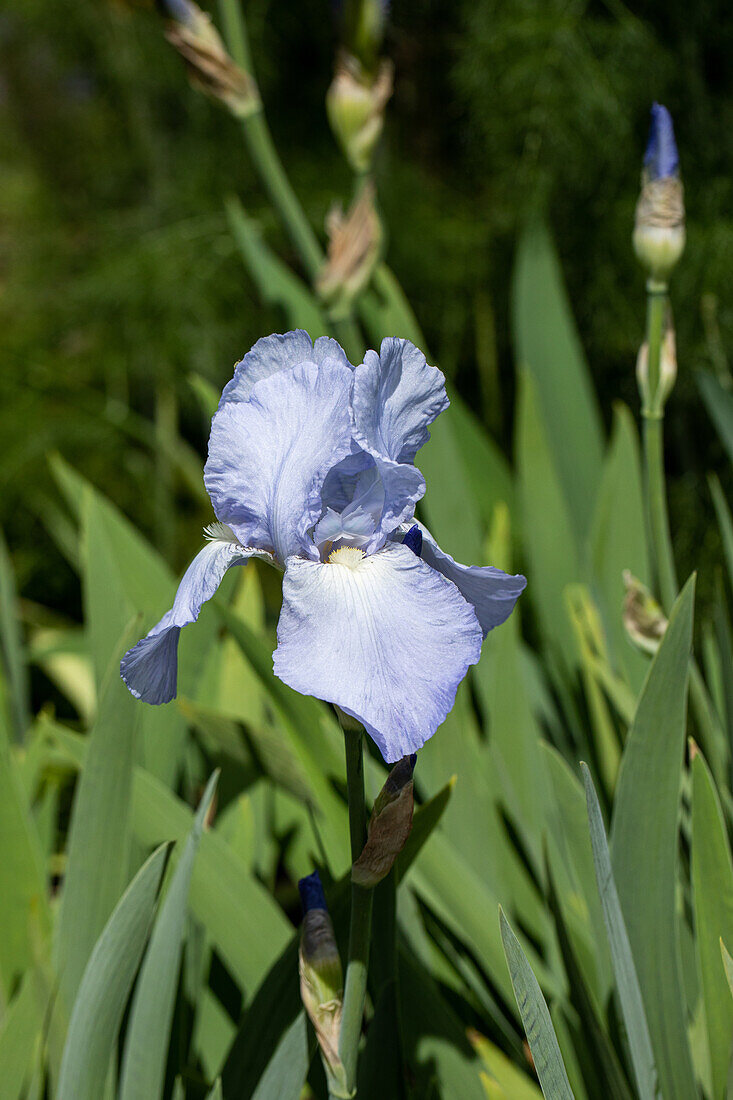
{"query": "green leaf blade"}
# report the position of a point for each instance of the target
(627, 983)
(146, 1045)
(712, 882)
(548, 346)
(98, 850)
(644, 847)
(106, 984)
(536, 1019)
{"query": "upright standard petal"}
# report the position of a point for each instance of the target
(384, 637)
(150, 668)
(491, 592)
(268, 457)
(278, 352)
(396, 395)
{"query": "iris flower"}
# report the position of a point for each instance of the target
(311, 467)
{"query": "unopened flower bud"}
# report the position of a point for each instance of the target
(181, 11)
(321, 975)
(355, 104)
(389, 826)
(644, 620)
(353, 250)
(659, 230)
(210, 68)
(667, 370)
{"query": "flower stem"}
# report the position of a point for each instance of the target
(711, 735)
(269, 167)
(653, 414)
(361, 916)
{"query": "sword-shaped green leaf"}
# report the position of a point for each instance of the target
(536, 1018)
(547, 345)
(712, 882)
(624, 971)
(106, 984)
(148, 1033)
(644, 847)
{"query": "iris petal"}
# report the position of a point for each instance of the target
(269, 456)
(386, 491)
(278, 352)
(150, 668)
(491, 592)
(661, 159)
(396, 396)
(388, 640)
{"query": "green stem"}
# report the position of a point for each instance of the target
(657, 511)
(658, 518)
(355, 791)
(269, 167)
(361, 917)
(262, 148)
(656, 491)
(235, 34)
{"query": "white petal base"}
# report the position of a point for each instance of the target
(388, 641)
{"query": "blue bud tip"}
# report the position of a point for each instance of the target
(413, 539)
(311, 893)
(661, 159)
(182, 11)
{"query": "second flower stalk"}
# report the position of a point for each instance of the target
(337, 1014)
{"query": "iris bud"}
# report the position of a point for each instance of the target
(659, 229)
(644, 620)
(321, 975)
(389, 826)
(210, 68)
(355, 104)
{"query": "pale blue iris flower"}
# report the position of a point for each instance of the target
(311, 467)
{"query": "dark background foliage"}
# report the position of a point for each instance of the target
(119, 277)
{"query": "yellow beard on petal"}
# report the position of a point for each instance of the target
(347, 555)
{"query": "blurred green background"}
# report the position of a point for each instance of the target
(120, 277)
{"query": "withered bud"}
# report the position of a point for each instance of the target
(644, 620)
(210, 68)
(667, 369)
(354, 244)
(389, 826)
(355, 104)
(321, 975)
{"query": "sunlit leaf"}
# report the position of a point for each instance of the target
(627, 983)
(644, 844)
(20, 1033)
(105, 986)
(712, 881)
(146, 1043)
(536, 1019)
